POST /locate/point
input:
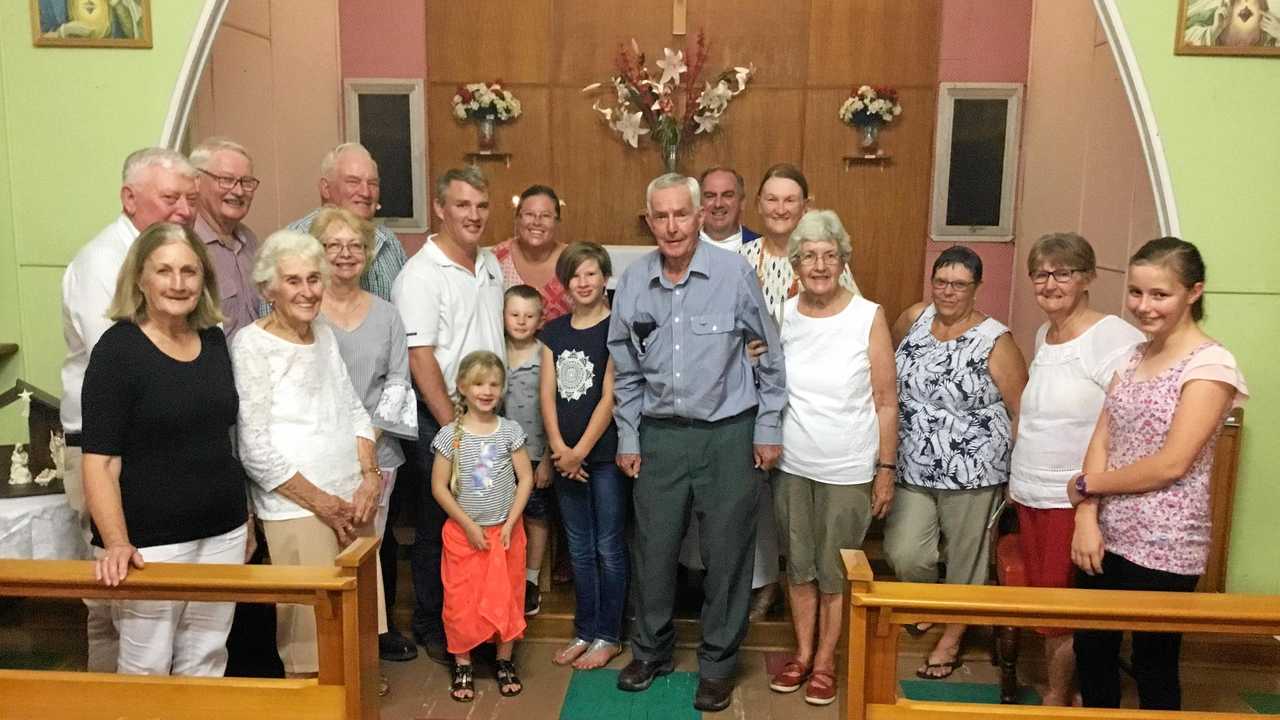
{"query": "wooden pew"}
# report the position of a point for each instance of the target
(878, 610)
(345, 600)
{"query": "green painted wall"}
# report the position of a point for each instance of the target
(68, 117)
(1217, 119)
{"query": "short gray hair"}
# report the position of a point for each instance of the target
(140, 160)
(469, 175)
(819, 226)
(329, 162)
(283, 244)
(205, 151)
(670, 180)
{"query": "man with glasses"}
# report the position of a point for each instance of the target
(349, 179)
(226, 184)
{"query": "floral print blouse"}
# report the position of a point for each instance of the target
(953, 426)
(1166, 529)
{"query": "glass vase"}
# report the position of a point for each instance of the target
(671, 157)
(487, 134)
(869, 139)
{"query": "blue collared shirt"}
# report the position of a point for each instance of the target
(679, 349)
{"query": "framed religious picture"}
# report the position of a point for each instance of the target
(91, 23)
(1228, 27)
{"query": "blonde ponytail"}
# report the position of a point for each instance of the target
(459, 409)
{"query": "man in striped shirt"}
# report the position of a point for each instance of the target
(349, 179)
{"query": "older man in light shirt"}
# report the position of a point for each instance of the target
(349, 179)
(227, 185)
(694, 416)
(158, 185)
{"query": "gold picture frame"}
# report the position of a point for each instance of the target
(91, 23)
(1228, 27)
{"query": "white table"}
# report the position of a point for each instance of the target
(43, 527)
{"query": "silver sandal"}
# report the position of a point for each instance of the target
(573, 651)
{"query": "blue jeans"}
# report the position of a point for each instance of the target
(595, 517)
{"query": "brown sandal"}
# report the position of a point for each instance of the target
(790, 678)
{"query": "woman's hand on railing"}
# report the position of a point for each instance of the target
(113, 567)
(339, 515)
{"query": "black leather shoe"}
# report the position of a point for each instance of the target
(435, 649)
(712, 695)
(395, 647)
(639, 674)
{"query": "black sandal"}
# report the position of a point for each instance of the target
(463, 681)
(505, 670)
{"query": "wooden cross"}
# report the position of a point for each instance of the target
(679, 9)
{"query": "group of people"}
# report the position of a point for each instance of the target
(736, 401)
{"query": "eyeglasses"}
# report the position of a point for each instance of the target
(336, 248)
(810, 259)
(226, 182)
(545, 217)
(1061, 276)
(957, 285)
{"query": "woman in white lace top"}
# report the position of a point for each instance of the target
(305, 438)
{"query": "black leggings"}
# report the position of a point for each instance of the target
(1155, 655)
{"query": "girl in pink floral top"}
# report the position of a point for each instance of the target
(1142, 502)
(530, 257)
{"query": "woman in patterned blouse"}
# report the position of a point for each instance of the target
(960, 379)
(1142, 502)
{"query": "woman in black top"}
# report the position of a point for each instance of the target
(160, 480)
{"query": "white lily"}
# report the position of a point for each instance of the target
(606, 112)
(706, 123)
(630, 127)
(592, 87)
(672, 66)
(742, 74)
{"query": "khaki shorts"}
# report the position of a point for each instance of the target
(816, 520)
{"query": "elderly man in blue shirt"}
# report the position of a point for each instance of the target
(694, 415)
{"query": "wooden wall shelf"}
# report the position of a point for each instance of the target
(881, 160)
(477, 156)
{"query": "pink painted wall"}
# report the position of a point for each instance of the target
(1082, 164)
(984, 41)
(385, 39)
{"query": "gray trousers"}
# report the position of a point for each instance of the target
(703, 468)
(915, 520)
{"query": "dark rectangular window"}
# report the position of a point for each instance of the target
(977, 162)
(385, 130)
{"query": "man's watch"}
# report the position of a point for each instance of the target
(1082, 486)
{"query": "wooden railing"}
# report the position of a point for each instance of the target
(345, 602)
(878, 610)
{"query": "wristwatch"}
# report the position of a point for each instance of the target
(1082, 486)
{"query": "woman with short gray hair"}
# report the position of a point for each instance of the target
(306, 440)
(839, 443)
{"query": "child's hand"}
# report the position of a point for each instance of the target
(507, 527)
(542, 474)
(569, 463)
(475, 536)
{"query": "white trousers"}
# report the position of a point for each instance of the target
(166, 637)
(104, 642)
(765, 570)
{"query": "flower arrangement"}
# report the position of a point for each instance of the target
(485, 101)
(868, 105)
(676, 105)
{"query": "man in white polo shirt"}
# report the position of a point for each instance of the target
(157, 185)
(450, 297)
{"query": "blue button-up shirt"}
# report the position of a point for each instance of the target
(679, 349)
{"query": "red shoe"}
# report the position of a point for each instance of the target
(821, 689)
(790, 678)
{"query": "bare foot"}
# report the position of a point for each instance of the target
(598, 656)
(941, 663)
(570, 652)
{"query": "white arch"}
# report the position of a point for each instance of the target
(1143, 115)
(184, 90)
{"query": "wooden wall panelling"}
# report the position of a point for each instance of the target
(885, 42)
(774, 36)
(527, 139)
(884, 207)
(601, 181)
(249, 15)
(491, 39)
(588, 32)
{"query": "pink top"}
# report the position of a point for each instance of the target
(1165, 529)
(555, 299)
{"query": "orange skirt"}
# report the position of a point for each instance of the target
(483, 589)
